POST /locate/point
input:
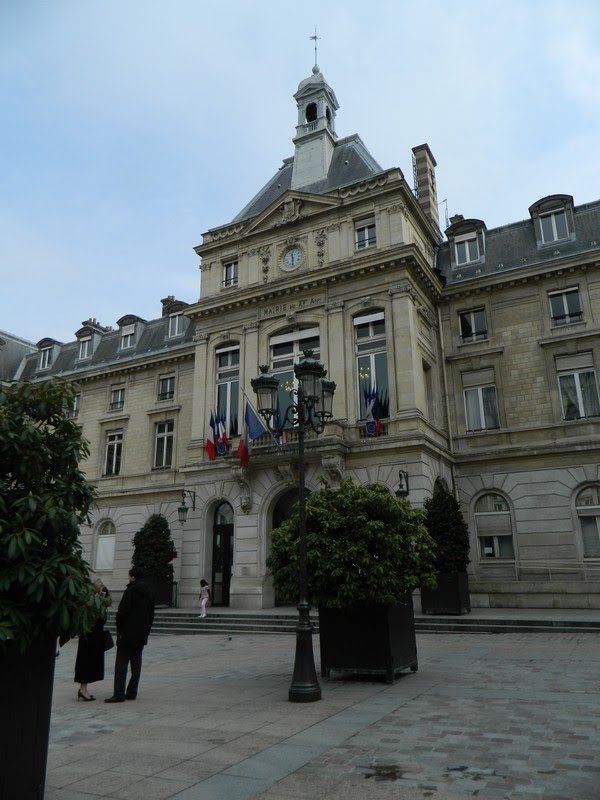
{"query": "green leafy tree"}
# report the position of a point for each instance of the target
(446, 524)
(45, 587)
(363, 547)
(154, 549)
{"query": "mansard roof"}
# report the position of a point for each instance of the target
(514, 246)
(153, 341)
(351, 162)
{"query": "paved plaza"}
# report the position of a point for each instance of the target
(512, 716)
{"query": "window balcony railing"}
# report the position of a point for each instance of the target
(166, 395)
(476, 336)
(564, 319)
(116, 405)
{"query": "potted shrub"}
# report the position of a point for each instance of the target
(153, 553)
(446, 524)
(45, 589)
(366, 554)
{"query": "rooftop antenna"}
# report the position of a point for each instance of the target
(445, 201)
(315, 39)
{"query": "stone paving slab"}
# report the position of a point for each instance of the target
(510, 717)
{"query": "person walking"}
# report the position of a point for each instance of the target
(204, 597)
(89, 662)
(134, 618)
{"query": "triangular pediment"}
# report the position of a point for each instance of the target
(291, 207)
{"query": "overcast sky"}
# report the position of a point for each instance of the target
(130, 127)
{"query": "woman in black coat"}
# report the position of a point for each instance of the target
(89, 664)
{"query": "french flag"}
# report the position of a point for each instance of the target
(372, 423)
(222, 440)
(211, 438)
(252, 428)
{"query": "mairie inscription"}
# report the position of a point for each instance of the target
(291, 305)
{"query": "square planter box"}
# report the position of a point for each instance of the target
(451, 596)
(368, 641)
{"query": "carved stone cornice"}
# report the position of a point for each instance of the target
(200, 337)
(364, 186)
(222, 233)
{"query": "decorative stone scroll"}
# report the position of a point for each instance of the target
(288, 472)
(333, 467)
(240, 476)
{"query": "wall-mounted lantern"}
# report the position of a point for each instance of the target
(182, 511)
(402, 490)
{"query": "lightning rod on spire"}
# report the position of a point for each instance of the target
(315, 39)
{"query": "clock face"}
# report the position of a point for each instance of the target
(292, 257)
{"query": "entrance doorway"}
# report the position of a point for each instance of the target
(281, 512)
(283, 507)
(222, 555)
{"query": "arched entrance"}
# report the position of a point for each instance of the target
(283, 507)
(281, 512)
(222, 559)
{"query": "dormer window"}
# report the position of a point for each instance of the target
(552, 218)
(467, 241)
(466, 249)
(554, 226)
(175, 324)
(46, 357)
(85, 347)
(127, 336)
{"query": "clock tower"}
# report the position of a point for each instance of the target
(315, 132)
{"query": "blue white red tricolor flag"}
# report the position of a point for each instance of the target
(211, 438)
(252, 428)
(372, 423)
(222, 440)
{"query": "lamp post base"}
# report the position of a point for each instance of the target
(305, 685)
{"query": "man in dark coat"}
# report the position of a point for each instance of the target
(135, 615)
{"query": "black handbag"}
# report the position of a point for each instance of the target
(108, 640)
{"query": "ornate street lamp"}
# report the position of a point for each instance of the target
(182, 511)
(310, 409)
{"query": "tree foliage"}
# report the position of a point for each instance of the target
(154, 549)
(45, 587)
(364, 547)
(446, 524)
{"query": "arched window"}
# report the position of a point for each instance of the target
(311, 112)
(494, 527)
(588, 513)
(105, 546)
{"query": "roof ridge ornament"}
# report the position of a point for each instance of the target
(315, 39)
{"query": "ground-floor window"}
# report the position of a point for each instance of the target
(494, 527)
(588, 513)
(105, 546)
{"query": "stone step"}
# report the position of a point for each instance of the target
(224, 624)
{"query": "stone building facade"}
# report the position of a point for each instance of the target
(480, 350)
